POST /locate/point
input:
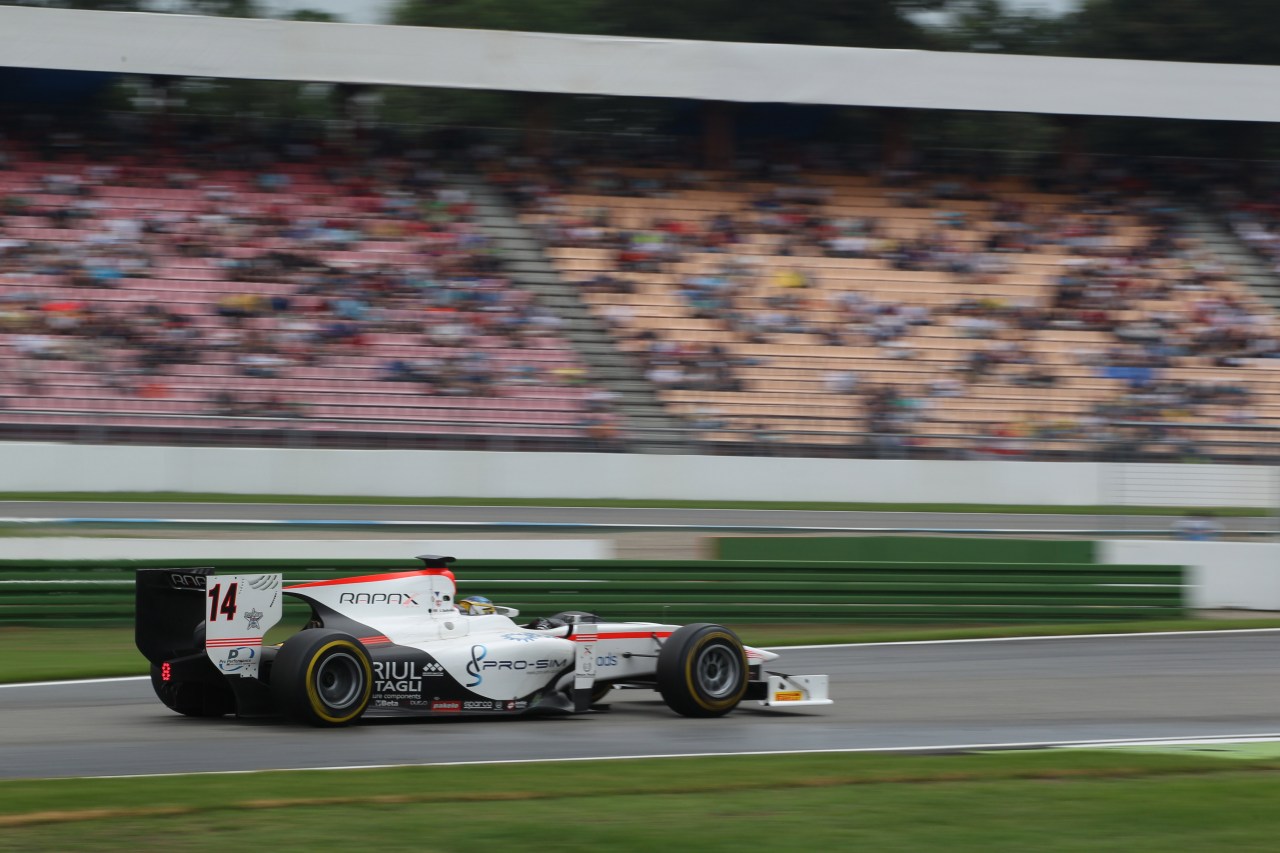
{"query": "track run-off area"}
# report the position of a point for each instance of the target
(923, 696)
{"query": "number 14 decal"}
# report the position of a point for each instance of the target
(228, 606)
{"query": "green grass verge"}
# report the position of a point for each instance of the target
(201, 497)
(58, 654)
(51, 654)
(1042, 801)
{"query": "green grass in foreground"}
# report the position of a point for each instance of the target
(1041, 801)
(48, 654)
(202, 497)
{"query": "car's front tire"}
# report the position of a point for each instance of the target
(322, 677)
(702, 670)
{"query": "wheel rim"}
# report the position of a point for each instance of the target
(339, 680)
(719, 670)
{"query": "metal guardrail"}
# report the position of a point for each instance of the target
(1120, 441)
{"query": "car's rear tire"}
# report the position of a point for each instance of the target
(192, 698)
(322, 677)
(702, 670)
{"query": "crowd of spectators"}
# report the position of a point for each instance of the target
(319, 254)
(130, 254)
(1121, 265)
(1246, 197)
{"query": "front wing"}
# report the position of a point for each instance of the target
(792, 691)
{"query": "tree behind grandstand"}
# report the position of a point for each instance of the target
(1174, 30)
(222, 8)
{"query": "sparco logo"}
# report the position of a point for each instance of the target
(404, 599)
(187, 581)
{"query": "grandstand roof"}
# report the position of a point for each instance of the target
(184, 45)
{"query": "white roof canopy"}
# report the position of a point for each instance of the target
(183, 45)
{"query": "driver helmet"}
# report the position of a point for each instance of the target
(476, 605)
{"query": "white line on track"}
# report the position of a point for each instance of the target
(937, 748)
(1198, 741)
(75, 681)
(1227, 631)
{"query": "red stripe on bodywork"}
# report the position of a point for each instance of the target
(373, 641)
(376, 578)
(633, 635)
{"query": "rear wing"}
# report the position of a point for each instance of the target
(181, 612)
(242, 608)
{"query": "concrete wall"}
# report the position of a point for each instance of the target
(407, 473)
(1222, 575)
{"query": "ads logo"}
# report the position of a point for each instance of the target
(238, 658)
(403, 599)
(478, 653)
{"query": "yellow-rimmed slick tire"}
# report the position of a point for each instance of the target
(322, 677)
(702, 670)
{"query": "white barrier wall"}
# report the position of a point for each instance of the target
(88, 548)
(59, 467)
(1222, 575)
(427, 473)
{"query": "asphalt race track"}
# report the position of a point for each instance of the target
(941, 696)
(552, 516)
(887, 697)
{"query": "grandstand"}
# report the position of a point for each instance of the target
(147, 290)
(888, 314)
(988, 312)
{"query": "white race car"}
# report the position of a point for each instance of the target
(403, 644)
